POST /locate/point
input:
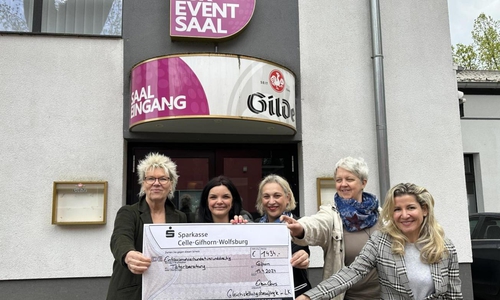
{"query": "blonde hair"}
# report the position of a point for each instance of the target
(431, 236)
(153, 161)
(286, 189)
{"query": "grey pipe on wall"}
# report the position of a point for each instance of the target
(380, 113)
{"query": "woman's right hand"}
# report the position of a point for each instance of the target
(295, 227)
(238, 220)
(302, 297)
(300, 259)
(136, 262)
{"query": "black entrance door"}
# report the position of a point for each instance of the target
(244, 164)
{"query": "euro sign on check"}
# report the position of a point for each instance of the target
(217, 261)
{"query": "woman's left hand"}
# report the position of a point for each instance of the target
(300, 260)
(238, 220)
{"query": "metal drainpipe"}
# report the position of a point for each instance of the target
(378, 79)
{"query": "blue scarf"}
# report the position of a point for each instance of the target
(264, 218)
(357, 216)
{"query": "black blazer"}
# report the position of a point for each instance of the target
(300, 278)
(128, 235)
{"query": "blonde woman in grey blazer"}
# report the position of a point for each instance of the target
(413, 259)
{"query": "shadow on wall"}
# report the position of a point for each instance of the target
(55, 289)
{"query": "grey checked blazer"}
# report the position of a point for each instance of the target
(392, 273)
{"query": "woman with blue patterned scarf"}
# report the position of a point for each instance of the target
(343, 227)
(275, 199)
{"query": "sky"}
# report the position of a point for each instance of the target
(464, 12)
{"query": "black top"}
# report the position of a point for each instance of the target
(300, 278)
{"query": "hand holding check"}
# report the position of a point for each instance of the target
(136, 262)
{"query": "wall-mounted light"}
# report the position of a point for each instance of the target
(461, 98)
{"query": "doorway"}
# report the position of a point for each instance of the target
(245, 164)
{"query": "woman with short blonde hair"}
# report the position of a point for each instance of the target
(157, 175)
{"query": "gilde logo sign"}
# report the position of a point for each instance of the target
(209, 19)
(277, 81)
(168, 90)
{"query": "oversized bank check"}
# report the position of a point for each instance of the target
(217, 261)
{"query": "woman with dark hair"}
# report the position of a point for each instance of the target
(220, 202)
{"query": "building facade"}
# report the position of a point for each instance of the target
(480, 113)
(69, 103)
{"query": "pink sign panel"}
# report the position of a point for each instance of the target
(160, 88)
(209, 19)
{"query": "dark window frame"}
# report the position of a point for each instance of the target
(36, 27)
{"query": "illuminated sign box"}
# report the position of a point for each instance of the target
(212, 93)
(212, 19)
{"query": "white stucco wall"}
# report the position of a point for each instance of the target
(481, 137)
(482, 106)
(61, 120)
(423, 125)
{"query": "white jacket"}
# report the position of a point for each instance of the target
(324, 229)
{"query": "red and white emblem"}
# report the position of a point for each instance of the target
(277, 81)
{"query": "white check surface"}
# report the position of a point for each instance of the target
(217, 261)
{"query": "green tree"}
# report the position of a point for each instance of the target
(484, 52)
(465, 56)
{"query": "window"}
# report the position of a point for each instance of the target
(491, 228)
(472, 225)
(79, 17)
(470, 182)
